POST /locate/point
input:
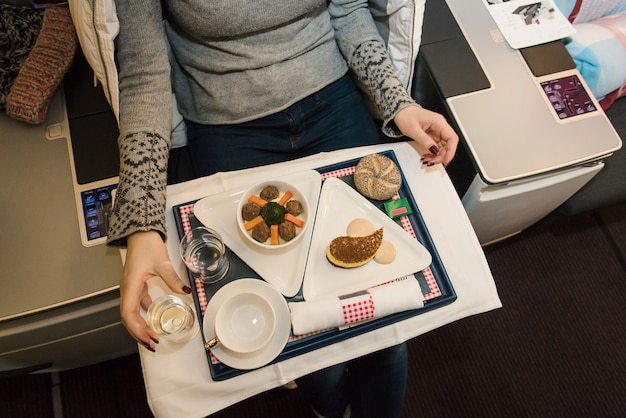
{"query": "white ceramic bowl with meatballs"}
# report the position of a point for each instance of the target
(286, 207)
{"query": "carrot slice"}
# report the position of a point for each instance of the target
(257, 200)
(296, 221)
(274, 234)
(252, 223)
(285, 198)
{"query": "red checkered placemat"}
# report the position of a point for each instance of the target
(185, 211)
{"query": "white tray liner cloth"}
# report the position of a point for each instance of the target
(177, 377)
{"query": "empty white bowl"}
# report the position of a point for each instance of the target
(245, 323)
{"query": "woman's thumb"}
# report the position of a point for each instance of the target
(171, 279)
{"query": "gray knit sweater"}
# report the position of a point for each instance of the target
(231, 61)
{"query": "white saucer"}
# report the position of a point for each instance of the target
(283, 268)
(339, 204)
(265, 355)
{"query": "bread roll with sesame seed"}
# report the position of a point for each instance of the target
(377, 177)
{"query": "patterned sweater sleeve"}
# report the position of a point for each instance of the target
(141, 192)
(145, 121)
(366, 54)
(376, 75)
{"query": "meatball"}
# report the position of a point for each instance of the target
(250, 211)
(269, 193)
(261, 232)
(287, 231)
(294, 207)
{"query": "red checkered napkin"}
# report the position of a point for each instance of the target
(356, 308)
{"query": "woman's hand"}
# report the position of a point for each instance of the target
(146, 257)
(431, 131)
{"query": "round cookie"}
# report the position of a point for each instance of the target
(350, 252)
(377, 177)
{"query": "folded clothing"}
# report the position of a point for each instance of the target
(581, 11)
(20, 27)
(332, 312)
(44, 68)
(599, 51)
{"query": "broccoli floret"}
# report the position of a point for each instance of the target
(273, 213)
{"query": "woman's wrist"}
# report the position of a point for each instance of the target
(142, 235)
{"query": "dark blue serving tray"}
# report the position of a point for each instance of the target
(239, 269)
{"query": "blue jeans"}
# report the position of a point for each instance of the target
(373, 385)
(331, 119)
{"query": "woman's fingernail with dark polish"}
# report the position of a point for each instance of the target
(148, 347)
(155, 340)
(186, 289)
(434, 150)
(430, 164)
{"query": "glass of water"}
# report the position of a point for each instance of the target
(171, 317)
(204, 254)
